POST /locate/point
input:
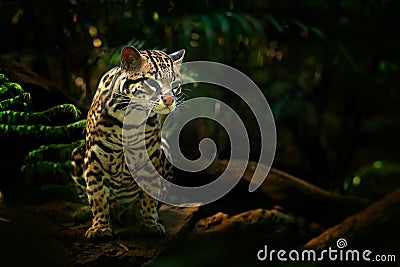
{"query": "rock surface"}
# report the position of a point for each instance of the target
(50, 237)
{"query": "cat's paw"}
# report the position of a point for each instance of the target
(99, 233)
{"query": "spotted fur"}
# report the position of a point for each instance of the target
(148, 79)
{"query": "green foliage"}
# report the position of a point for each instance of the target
(12, 96)
(46, 169)
(52, 153)
(20, 102)
(60, 115)
(45, 134)
(49, 163)
(373, 180)
(9, 90)
(43, 172)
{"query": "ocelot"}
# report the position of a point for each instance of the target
(145, 79)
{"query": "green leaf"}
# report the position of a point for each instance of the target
(210, 35)
(275, 23)
(257, 25)
(224, 24)
(347, 56)
(319, 33)
(243, 23)
(299, 24)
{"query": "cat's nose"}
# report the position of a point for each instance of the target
(167, 99)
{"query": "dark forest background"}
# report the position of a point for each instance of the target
(329, 69)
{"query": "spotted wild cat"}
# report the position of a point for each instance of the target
(146, 78)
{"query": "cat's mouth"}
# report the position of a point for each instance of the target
(165, 105)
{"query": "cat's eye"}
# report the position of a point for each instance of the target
(177, 90)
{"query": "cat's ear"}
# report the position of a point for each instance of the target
(131, 58)
(177, 57)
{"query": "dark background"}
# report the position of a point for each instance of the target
(329, 70)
